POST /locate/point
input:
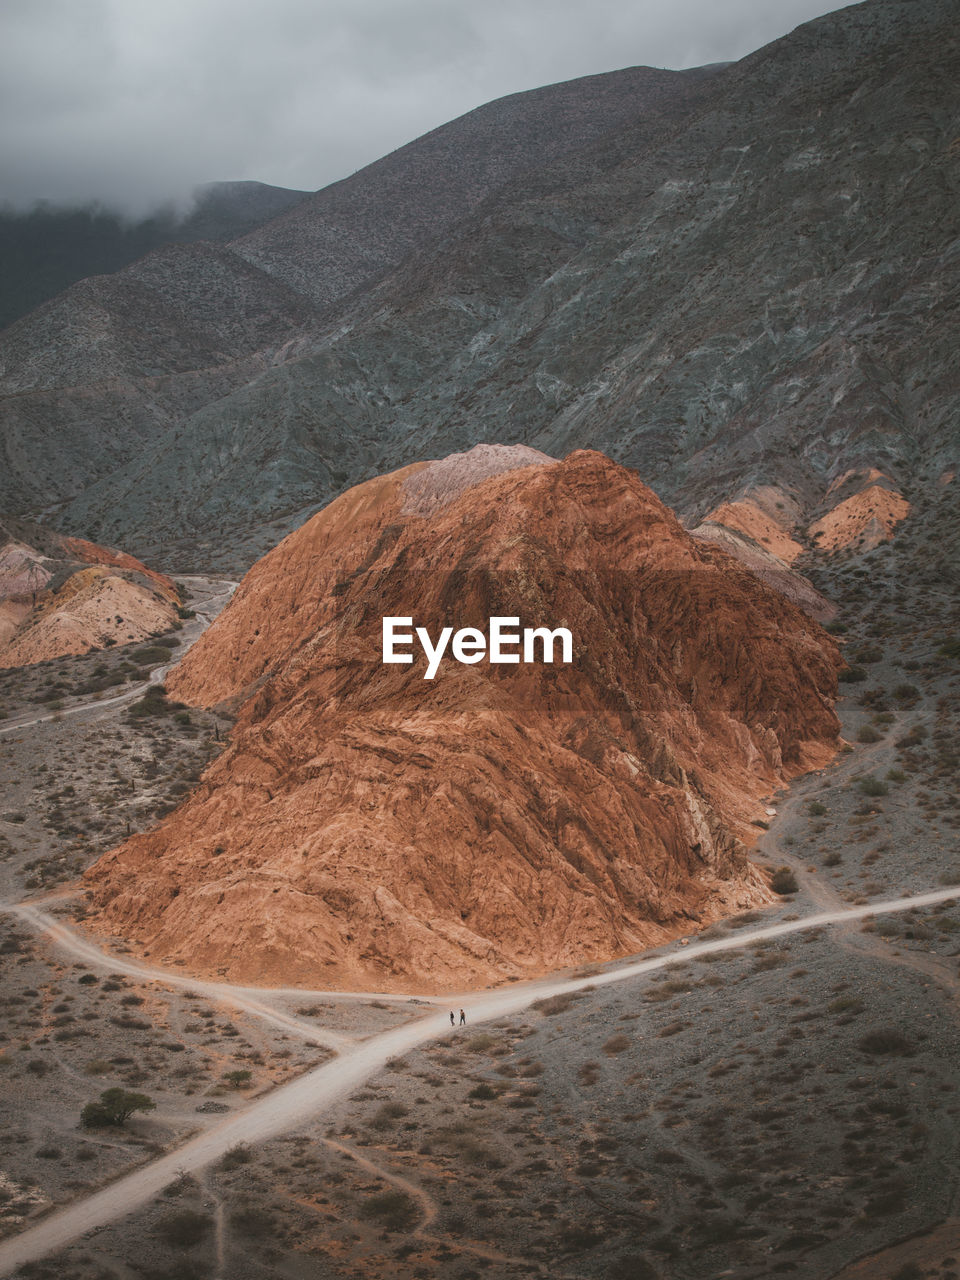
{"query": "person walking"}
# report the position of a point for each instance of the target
(463, 1018)
(453, 1021)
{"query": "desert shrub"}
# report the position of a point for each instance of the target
(896, 775)
(852, 675)
(950, 649)
(253, 1221)
(385, 1116)
(867, 733)
(832, 859)
(183, 1229)
(480, 1043)
(616, 1044)
(887, 1041)
(235, 1157)
(845, 1004)
(868, 654)
(873, 787)
(816, 809)
(575, 1239)
(474, 1152)
(153, 703)
(151, 656)
(394, 1210)
(549, 1006)
(484, 1092)
(783, 881)
(238, 1078)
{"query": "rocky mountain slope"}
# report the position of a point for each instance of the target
(368, 827)
(46, 249)
(91, 379)
(746, 289)
(66, 595)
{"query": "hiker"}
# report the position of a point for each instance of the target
(453, 1021)
(463, 1017)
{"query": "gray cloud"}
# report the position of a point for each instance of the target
(132, 102)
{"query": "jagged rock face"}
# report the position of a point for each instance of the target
(370, 828)
(62, 596)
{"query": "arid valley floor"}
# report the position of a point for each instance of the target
(782, 1106)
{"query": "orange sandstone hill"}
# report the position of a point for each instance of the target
(367, 827)
(62, 596)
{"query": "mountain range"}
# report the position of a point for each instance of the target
(739, 280)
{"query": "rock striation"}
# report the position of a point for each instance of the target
(367, 828)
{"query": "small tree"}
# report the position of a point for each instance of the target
(237, 1078)
(115, 1107)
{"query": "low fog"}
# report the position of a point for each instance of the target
(132, 104)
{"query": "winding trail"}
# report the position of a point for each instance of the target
(245, 998)
(303, 1098)
(191, 633)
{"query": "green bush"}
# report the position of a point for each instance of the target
(114, 1108)
(152, 656)
(783, 881)
(184, 1229)
(394, 1210)
(852, 675)
(235, 1157)
(873, 787)
(867, 733)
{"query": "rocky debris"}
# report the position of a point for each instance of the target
(367, 828)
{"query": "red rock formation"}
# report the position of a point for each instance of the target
(93, 553)
(367, 827)
(62, 596)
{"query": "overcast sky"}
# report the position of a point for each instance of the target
(134, 101)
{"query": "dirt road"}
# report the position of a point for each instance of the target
(212, 595)
(303, 1098)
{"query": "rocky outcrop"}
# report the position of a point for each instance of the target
(62, 596)
(367, 827)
